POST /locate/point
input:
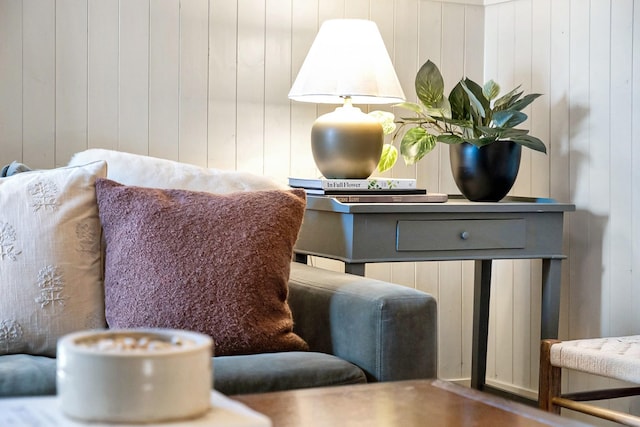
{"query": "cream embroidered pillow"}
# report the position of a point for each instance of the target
(50, 257)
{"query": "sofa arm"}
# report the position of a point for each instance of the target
(388, 330)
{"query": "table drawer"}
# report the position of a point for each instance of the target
(450, 235)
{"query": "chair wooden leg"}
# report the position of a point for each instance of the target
(550, 378)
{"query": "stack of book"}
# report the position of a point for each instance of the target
(370, 190)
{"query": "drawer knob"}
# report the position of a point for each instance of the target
(464, 235)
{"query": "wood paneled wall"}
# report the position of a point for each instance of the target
(206, 82)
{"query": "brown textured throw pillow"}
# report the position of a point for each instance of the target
(216, 264)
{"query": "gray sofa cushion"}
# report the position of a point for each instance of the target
(257, 373)
(25, 375)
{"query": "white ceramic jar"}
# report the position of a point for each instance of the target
(134, 375)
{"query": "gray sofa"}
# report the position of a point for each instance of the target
(358, 329)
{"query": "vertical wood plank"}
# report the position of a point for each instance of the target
(430, 169)
(164, 79)
(194, 69)
(406, 20)
(452, 68)
(534, 327)
(304, 26)
(39, 84)
(134, 76)
(277, 69)
(222, 122)
(579, 154)
(103, 83)
(11, 82)
(591, 190)
(558, 145)
(621, 167)
(503, 301)
(71, 79)
(250, 135)
(468, 279)
(540, 83)
(522, 76)
(449, 320)
(474, 49)
(491, 42)
(523, 305)
(357, 9)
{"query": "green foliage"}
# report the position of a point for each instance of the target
(471, 113)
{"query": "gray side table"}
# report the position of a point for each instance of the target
(515, 228)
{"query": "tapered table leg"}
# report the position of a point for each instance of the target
(481, 294)
(550, 310)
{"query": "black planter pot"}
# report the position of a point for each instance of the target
(485, 174)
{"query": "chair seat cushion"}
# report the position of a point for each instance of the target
(613, 357)
(27, 375)
(258, 373)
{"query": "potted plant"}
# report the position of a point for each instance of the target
(477, 123)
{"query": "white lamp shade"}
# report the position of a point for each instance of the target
(348, 58)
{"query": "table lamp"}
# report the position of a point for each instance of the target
(347, 64)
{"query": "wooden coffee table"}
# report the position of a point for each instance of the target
(432, 403)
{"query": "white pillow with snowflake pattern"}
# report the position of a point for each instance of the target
(51, 279)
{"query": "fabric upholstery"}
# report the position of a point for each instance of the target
(613, 357)
(50, 257)
(282, 371)
(153, 172)
(27, 375)
(216, 264)
(387, 330)
(269, 371)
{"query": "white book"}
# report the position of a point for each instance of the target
(354, 184)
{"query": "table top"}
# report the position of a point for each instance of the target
(403, 403)
(454, 204)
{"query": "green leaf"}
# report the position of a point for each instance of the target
(511, 133)
(528, 99)
(508, 118)
(530, 142)
(467, 124)
(448, 138)
(388, 158)
(429, 85)
(459, 102)
(507, 100)
(386, 119)
(491, 90)
(442, 110)
(489, 131)
(415, 144)
(478, 102)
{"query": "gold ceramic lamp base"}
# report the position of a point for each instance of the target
(346, 143)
